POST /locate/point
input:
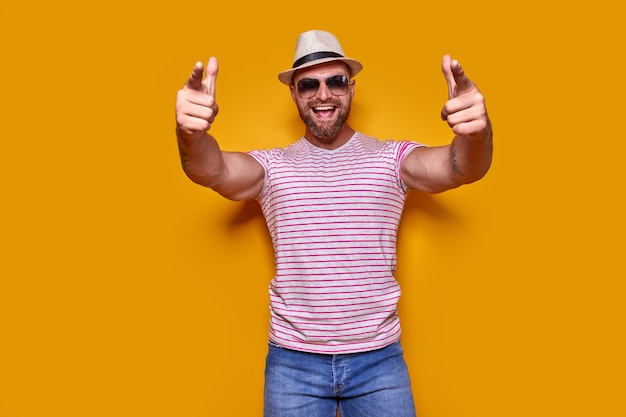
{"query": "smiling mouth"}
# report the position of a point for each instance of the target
(324, 111)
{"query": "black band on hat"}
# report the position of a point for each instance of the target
(315, 56)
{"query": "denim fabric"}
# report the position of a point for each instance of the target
(369, 384)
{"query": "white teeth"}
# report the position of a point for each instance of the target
(324, 108)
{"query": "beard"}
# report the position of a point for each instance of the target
(325, 129)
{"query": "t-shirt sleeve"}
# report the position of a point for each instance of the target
(401, 149)
(263, 157)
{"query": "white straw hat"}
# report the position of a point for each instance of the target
(316, 47)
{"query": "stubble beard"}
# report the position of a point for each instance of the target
(325, 130)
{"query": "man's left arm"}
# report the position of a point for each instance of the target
(468, 157)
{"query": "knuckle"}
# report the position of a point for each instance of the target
(181, 94)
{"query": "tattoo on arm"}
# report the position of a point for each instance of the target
(184, 158)
(453, 162)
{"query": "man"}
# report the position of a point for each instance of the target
(332, 201)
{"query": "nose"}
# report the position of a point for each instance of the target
(323, 93)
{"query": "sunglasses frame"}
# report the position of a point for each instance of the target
(338, 85)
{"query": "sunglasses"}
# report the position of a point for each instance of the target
(337, 85)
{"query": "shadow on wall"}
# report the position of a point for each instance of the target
(248, 215)
(249, 211)
(429, 206)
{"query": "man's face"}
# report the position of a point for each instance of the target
(324, 109)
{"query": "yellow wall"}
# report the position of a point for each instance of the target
(126, 290)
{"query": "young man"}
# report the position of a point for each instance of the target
(332, 201)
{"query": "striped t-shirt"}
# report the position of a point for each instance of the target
(333, 217)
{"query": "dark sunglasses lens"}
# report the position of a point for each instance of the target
(338, 85)
(307, 87)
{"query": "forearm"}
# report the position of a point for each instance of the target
(200, 157)
(470, 158)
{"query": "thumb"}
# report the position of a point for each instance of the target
(446, 68)
(211, 76)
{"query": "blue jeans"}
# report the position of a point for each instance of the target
(369, 384)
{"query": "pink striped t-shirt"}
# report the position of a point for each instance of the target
(333, 217)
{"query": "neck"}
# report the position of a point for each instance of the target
(333, 142)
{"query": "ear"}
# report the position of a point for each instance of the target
(292, 89)
(352, 87)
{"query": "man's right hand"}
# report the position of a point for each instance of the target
(196, 107)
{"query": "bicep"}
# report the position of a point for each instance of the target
(429, 169)
(243, 177)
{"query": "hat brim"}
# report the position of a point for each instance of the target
(286, 76)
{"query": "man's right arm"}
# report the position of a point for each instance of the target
(235, 175)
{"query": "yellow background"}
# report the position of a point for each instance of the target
(127, 290)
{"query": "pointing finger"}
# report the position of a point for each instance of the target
(211, 76)
(195, 79)
(463, 84)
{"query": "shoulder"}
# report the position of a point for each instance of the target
(276, 156)
(398, 149)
